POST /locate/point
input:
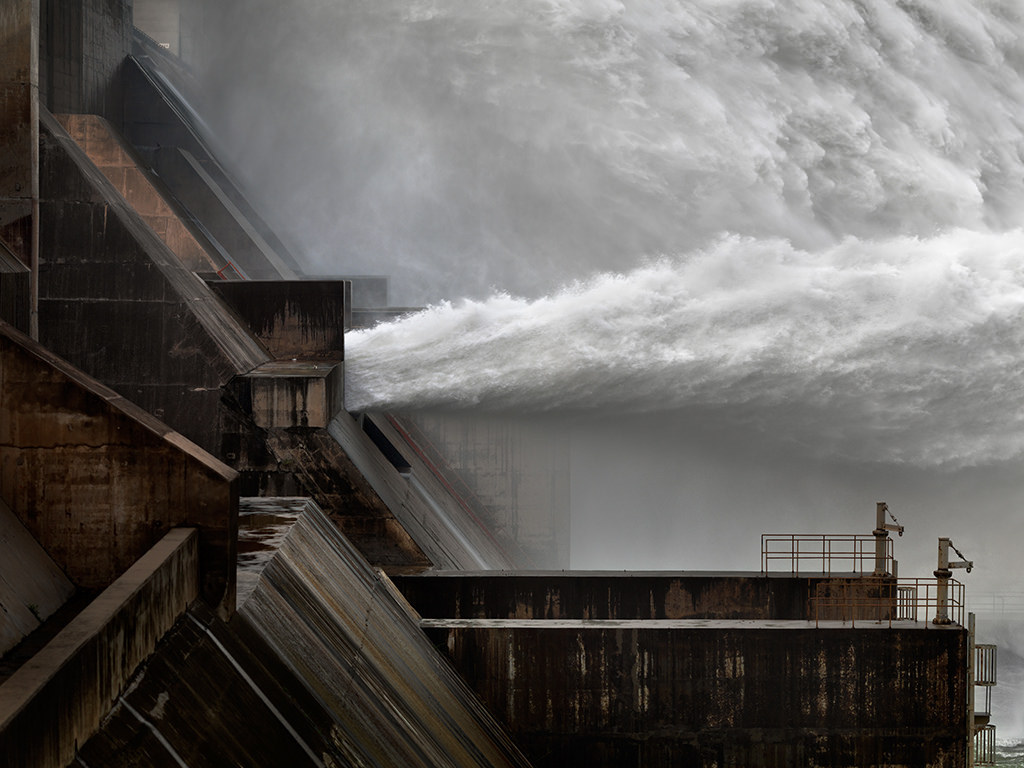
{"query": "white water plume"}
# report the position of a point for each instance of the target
(785, 220)
(900, 350)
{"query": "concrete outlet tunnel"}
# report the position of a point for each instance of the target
(207, 560)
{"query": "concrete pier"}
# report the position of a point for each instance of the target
(55, 702)
(97, 481)
(728, 669)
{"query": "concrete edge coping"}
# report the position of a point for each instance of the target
(684, 624)
(116, 401)
(300, 368)
(29, 679)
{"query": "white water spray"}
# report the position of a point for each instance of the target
(782, 237)
(906, 350)
(462, 146)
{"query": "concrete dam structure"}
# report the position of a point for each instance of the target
(206, 560)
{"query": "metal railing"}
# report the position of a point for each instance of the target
(821, 553)
(886, 600)
(985, 745)
(984, 664)
(1001, 604)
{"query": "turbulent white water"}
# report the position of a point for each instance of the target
(464, 147)
(906, 349)
(802, 215)
(767, 254)
(793, 222)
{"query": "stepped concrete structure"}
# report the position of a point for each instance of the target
(206, 560)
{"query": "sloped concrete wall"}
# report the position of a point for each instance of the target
(352, 638)
(211, 697)
(516, 473)
(99, 140)
(323, 665)
(53, 703)
(445, 531)
(97, 480)
(160, 125)
(117, 303)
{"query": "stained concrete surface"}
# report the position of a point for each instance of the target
(57, 699)
(310, 462)
(82, 46)
(108, 152)
(323, 665)
(97, 481)
(624, 595)
(295, 319)
(293, 393)
(117, 303)
(717, 693)
(19, 132)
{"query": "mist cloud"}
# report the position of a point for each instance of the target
(463, 148)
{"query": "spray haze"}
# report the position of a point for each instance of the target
(764, 259)
(464, 146)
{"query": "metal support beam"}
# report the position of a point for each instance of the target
(942, 575)
(881, 533)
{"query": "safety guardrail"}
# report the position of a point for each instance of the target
(985, 745)
(998, 604)
(888, 600)
(821, 553)
(984, 664)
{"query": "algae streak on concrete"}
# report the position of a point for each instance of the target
(57, 699)
(701, 692)
(32, 587)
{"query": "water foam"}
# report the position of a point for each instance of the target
(905, 349)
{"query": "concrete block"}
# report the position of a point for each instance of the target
(674, 692)
(294, 393)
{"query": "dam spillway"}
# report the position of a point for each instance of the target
(273, 579)
(323, 664)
